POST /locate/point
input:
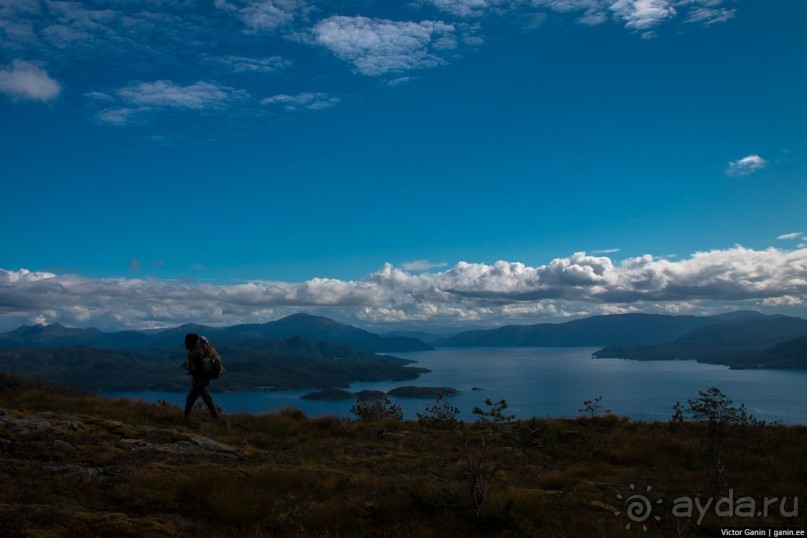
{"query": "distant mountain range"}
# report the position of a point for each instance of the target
(743, 339)
(290, 363)
(767, 342)
(312, 327)
(635, 329)
(296, 352)
(305, 351)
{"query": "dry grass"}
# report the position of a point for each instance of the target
(77, 465)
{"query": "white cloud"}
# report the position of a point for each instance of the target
(594, 11)
(264, 15)
(709, 16)
(309, 101)
(421, 265)
(746, 165)
(380, 47)
(167, 94)
(606, 251)
(131, 103)
(400, 81)
(25, 81)
(268, 15)
(493, 293)
(565, 6)
(118, 116)
(245, 64)
(784, 300)
(643, 14)
(470, 8)
(640, 15)
(789, 236)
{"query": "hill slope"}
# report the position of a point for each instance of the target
(78, 465)
(788, 354)
(291, 363)
(730, 343)
(636, 329)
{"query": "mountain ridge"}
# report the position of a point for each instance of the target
(300, 324)
(751, 343)
(633, 328)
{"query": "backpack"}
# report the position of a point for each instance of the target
(210, 366)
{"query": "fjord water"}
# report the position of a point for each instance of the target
(551, 382)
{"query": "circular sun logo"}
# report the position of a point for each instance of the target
(638, 507)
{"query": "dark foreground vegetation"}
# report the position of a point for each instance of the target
(78, 465)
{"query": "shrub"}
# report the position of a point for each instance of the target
(378, 408)
(715, 408)
(494, 414)
(440, 415)
(593, 407)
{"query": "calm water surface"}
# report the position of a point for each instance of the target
(551, 382)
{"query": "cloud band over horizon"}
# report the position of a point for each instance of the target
(511, 292)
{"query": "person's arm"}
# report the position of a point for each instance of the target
(193, 360)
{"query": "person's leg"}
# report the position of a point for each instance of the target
(208, 399)
(193, 395)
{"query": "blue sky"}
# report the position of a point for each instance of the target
(432, 163)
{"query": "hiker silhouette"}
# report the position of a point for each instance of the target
(198, 366)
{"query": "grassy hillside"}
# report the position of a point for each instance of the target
(79, 465)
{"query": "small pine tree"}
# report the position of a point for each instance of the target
(593, 407)
(678, 414)
(495, 413)
(715, 408)
(487, 447)
(440, 415)
(378, 408)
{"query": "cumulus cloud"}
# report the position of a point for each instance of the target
(308, 101)
(643, 14)
(784, 300)
(471, 8)
(25, 81)
(133, 101)
(165, 93)
(579, 284)
(67, 31)
(421, 265)
(745, 166)
(379, 47)
(640, 15)
(264, 15)
(184, 34)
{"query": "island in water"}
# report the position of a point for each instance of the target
(407, 391)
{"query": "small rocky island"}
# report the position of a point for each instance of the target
(408, 391)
